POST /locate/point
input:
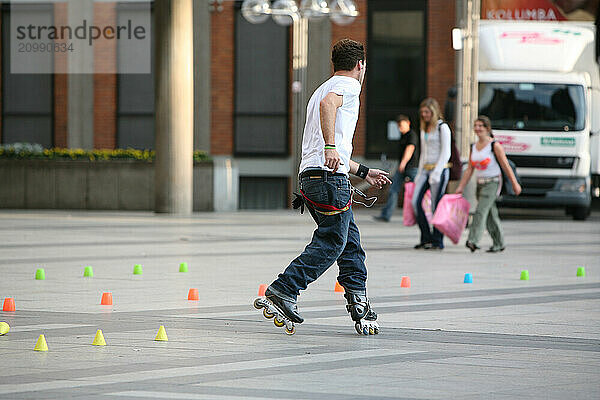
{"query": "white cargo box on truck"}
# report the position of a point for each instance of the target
(539, 82)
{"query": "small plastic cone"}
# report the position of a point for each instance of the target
(183, 267)
(88, 272)
(137, 269)
(106, 299)
(468, 278)
(262, 289)
(40, 274)
(99, 339)
(41, 344)
(405, 282)
(4, 328)
(581, 271)
(338, 288)
(161, 336)
(193, 294)
(525, 275)
(9, 304)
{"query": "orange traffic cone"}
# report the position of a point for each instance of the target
(405, 282)
(261, 289)
(193, 294)
(9, 304)
(338, 288)
(106, 299)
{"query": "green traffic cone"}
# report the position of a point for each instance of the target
(88, 272)
(183, 267)
(40, 274)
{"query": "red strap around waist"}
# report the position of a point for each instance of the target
(327, 206)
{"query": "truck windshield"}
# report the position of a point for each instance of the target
(533, 106)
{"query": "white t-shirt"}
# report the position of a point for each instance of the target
(435, 148)
(313, 152)
(484, 162)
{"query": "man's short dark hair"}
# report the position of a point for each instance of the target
(346, 54)
(402, 117)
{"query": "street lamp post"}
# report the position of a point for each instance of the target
(286, 13)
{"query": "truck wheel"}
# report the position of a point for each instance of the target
(580, 213)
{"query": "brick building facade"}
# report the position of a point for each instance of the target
(440, 73)
(273, 169)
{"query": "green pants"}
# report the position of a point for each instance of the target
(487, 213)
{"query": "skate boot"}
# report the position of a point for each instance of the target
(283, 311)
(361, 313)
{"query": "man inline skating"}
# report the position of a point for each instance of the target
(325, 190)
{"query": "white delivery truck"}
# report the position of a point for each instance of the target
(539, 82)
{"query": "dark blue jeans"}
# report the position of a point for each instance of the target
(335, 239)
(397, 182)
(437, 191)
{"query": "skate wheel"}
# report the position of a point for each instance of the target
(257, 304)
(290, 331)
(376, 330)
(358, 329)
(267, 314)
(371, 331)
(278, 323)
(365, 331)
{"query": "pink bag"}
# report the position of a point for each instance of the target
(426, 204)
(451, 216)
(408, 214)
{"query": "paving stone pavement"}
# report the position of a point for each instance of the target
(497, 338)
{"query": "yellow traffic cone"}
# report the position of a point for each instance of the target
(161, 336)
(99, 339)
(4, 328)
(41, 344)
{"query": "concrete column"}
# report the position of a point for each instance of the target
(80, 84)
(174, 99)
(202, 40)
(460, 8)
(467, 96)
(226, 177)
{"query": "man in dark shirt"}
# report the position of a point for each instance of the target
(407, 169)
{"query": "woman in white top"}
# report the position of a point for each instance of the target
(433, 172)
(487, 157)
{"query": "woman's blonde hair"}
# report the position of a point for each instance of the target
(436, 114)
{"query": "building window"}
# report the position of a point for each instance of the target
(261, 88)
(263, 193)
(135, 94)
(27, 99)
(396, 68)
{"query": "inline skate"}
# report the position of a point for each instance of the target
(283, 312)
(365, 319)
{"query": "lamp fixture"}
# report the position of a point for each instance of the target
(285, 12)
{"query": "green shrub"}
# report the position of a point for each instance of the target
(26, 151)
